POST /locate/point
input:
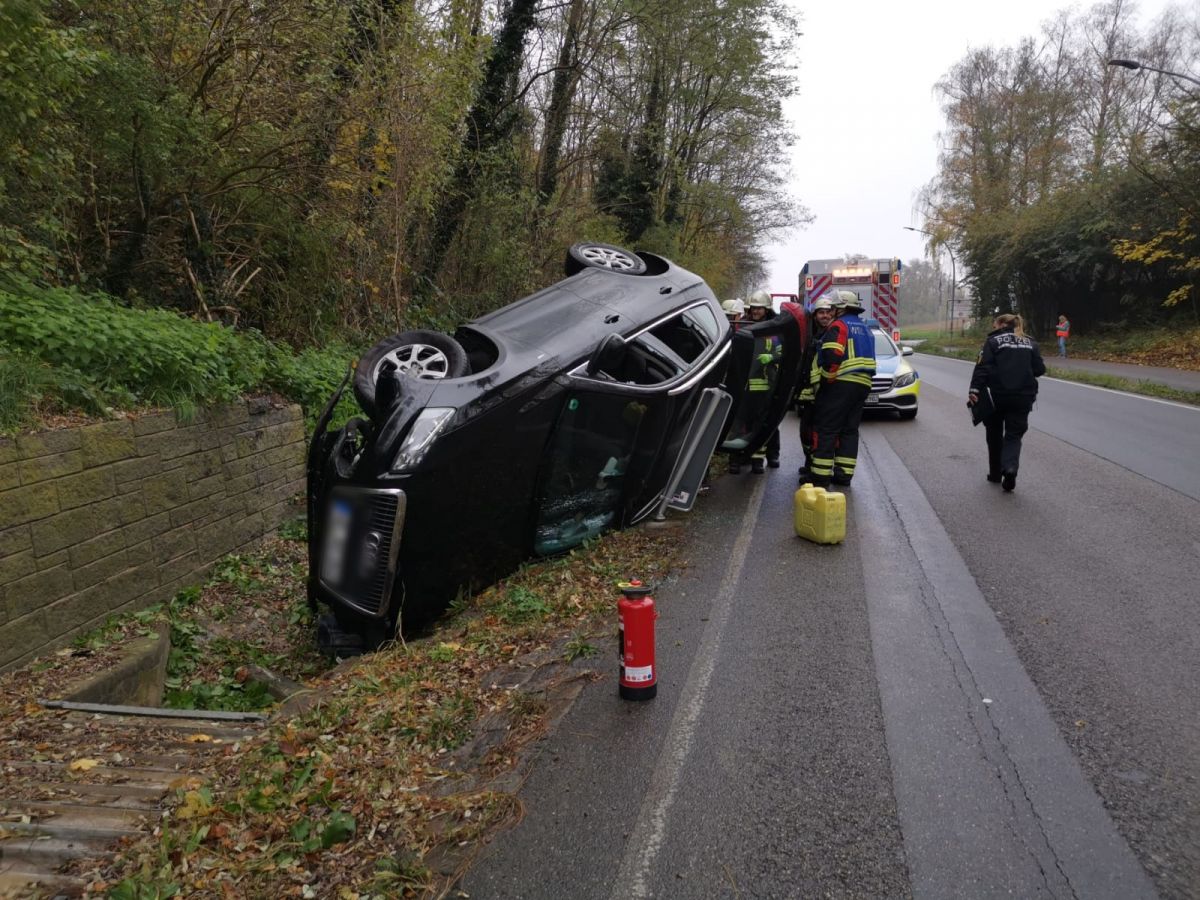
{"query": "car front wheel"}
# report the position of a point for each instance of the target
(592, 255)
(417, 354)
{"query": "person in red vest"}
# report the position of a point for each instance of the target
(1062, 331)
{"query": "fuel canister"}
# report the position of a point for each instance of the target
(820, 515)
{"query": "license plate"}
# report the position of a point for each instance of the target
(337, 534)
(872, 398)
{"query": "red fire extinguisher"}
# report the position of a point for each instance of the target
(635, 641)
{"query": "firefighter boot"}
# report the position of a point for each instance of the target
(756, 465)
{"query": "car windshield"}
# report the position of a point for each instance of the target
(883, 345)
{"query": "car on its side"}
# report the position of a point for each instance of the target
(896, 385)
(590, 405)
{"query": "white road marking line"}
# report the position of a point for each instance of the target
(1096, 387)
(646, 839)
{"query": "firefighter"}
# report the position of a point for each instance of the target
(846, 360)
(810, 379)
(734, 310)
(764, 371)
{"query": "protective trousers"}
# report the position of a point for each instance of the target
(770, 450)
(806, 430)
(835, 430)
(1005, 427)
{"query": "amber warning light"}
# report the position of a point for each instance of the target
(896, 279)
(808, 283)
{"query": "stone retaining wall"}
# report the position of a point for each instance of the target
(120, 515)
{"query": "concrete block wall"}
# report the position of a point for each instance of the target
(121, 515)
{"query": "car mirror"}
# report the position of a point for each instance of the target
(607, 356)
(906, 351)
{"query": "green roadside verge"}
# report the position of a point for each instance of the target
(967, 348)
(69, 353)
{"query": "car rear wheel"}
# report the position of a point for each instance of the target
(908, 414)
(592, 255)
(417, 354)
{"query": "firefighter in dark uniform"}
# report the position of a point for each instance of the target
(810, 380)
(763, 373)
(846, 360)
(1008, 368)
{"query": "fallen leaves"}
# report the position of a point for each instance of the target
(83, 765)
(195, 804)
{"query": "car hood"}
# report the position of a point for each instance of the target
(892, 365)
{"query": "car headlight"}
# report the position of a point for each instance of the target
(905, 380)
(420, 438)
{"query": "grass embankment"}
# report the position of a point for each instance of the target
(386, 783)
(1178, 349)
(73, 354)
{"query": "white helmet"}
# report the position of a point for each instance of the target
(733, 307)
(848, 300)
(760, 298)
(825, 301)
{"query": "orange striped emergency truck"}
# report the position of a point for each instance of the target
(875, 281)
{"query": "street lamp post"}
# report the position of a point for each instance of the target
(1135, 65)
(953, 273)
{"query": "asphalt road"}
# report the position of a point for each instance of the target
(978, 694)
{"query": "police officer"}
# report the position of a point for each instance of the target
(810, 379)
(846, 360)
(763, 372)
(1008, 368)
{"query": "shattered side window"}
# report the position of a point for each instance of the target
(689, 334)
(585, 467)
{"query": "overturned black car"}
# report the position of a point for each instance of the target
(588, 406)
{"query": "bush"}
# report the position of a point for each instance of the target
(73, 350)
(311, 376)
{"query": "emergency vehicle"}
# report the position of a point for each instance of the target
(875, 281)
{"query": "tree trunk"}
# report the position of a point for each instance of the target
(489, 123)
(561, 94)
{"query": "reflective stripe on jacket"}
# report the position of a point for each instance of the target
(762, 374)
(847, 351)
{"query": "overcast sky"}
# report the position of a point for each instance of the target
(868, 120)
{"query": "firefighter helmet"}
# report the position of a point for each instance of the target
(825, 301)
(848, 300)
(760, 298)
(733, 307)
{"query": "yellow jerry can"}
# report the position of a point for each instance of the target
(820, 515)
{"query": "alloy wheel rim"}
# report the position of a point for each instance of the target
(417, 361)
(606, 258)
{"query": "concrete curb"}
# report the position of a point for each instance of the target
(137, 678)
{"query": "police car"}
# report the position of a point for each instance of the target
(896, 384)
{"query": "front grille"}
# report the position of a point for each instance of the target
(382, 521)
(371, 545)
(881, 383)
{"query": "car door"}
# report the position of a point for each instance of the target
(622, 426)
(755, 415)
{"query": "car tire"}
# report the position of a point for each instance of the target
(908, 414)
(593, 255)
(417, 354)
